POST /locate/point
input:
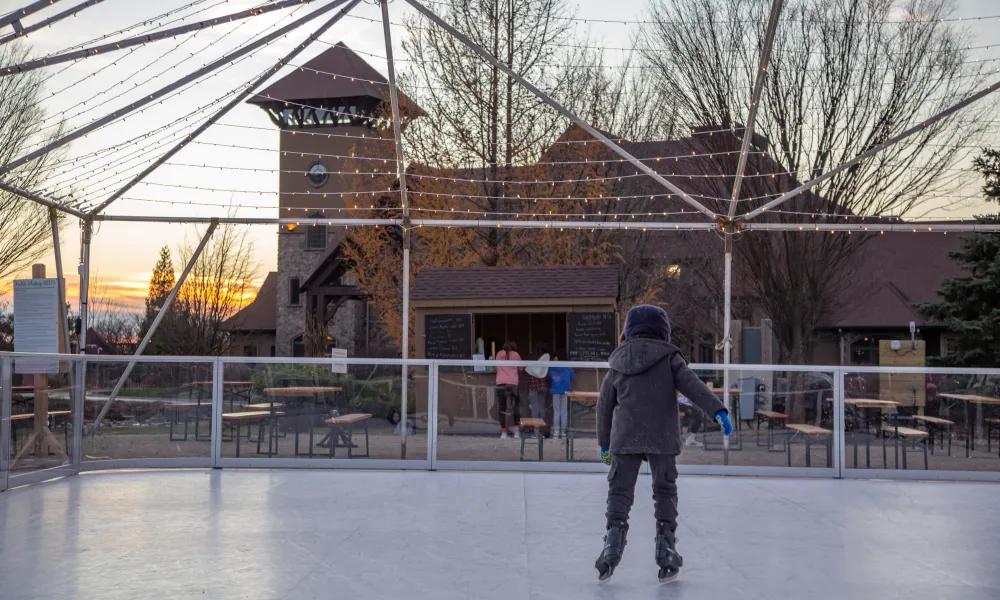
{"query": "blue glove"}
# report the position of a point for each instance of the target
(606, 456)
(722, 418)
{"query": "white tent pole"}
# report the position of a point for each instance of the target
(152, 328)
(727, 343)
(758, 87)
(397, 130)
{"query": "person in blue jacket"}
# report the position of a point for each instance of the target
(638, 419)
(560, 384)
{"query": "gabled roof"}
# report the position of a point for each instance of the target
(897, 272)
(473, 283)
(262, 313)
(334, 73)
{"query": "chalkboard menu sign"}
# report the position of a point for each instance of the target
(591, 336)
(448, 336)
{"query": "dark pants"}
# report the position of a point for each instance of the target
(507, 393)
(694, 419)
(621, 486)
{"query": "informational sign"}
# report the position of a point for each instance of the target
(338, 353)
(448, 336)
(591, 336)
(36, 323)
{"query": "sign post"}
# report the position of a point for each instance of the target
(36, 329)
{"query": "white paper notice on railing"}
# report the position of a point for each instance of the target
(36, 323)
(338, 353)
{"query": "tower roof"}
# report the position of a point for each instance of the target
(335, 73)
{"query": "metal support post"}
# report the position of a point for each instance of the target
(397, 130)
(839, 425)
(152, 328)
(217, 397)
(6, 370)
(873, 151)
(225, 109)
(60, 279)
(562, 110)
(20, 32)
(81, 366)
(152, 97)
(727, 344)
(432, 414)
(758, 86)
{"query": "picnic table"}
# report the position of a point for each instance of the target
(236, 420)
(342, 433)
(864, 404)
(808, 432)
(584, 398)
(933, 423)
(970, 438)
(313, 393)
(771, 417)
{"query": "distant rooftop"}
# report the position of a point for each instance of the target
(473, 283)
(337, 73)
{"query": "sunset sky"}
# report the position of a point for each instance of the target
(123, 254)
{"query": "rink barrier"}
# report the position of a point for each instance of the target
(215, 458)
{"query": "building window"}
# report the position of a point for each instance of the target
(316, 235)
(294, 298)
(274, 350)
(298, 347)
(250, 350)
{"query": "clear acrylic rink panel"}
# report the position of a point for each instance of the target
(380, 535)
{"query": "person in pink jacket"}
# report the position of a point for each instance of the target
(507, 390)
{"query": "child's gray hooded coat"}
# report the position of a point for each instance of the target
(637, 412)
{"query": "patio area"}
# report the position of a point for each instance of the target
(312, 534)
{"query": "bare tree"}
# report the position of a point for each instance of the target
(217, 287)
(845, 75)
(25, 233)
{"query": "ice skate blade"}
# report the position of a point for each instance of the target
(604, 577)
(666, 577)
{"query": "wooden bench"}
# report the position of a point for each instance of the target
(771, 417)
(235, 420)
(809, 432)
(935, 423)
(342, 430)
(186, 409)
(537, 426)
(906, 434)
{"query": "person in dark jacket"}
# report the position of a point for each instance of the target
(638, 419)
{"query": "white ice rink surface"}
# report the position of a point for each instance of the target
(485, 536)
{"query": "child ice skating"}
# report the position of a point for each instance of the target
(638, 419)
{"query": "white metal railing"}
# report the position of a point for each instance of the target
(429, 405)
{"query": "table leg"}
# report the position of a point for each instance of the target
(969, 433)
(541, 443)
(898, 441)
(238, 436)
(788, 450)
(829, 452)
(808, 452)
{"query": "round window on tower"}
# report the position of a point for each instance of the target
(317, 174)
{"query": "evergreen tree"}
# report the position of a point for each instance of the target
(989, 165)
(970, 305)
(160, 284)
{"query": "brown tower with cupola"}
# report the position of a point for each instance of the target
(329, 112)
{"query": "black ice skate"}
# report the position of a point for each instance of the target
(614, 546)
(667, 558)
